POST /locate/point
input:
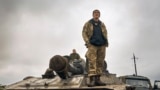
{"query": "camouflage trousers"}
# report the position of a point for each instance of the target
(95, 56)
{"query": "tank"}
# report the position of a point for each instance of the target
(68, 76)
(77, 82)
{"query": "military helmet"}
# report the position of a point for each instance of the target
(58, 63)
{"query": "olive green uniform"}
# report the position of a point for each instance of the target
(74, 56)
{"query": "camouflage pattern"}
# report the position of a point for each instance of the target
(95, 54)
(88, 32)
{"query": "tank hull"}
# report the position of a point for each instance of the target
(77, 82)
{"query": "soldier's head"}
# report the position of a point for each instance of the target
(74, 50)
(60, 65)
(96, 14)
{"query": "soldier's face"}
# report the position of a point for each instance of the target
(96, 14)
(74, 51)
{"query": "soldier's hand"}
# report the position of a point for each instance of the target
(87, 45)
(107, 44)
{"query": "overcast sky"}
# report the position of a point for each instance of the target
(32, 31)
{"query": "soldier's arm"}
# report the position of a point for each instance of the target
(106, 34)
(78, 56)
(84, 34)
(104, 27)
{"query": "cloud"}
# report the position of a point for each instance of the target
(31, 32)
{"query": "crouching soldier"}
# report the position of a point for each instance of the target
(62, 67)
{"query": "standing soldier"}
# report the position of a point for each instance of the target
(95, 37)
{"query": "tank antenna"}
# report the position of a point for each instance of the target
(134, 58)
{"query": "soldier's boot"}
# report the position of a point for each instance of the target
(99, 82)
(92, 81)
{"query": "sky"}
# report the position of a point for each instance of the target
(32, 31)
